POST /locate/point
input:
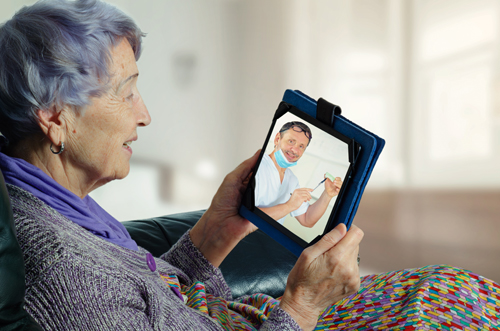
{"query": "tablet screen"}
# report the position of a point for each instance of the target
(300, 175)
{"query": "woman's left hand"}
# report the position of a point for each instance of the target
(221, 227)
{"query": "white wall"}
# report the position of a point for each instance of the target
(421, 74)
(455, 136)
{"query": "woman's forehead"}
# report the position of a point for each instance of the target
(123, 65)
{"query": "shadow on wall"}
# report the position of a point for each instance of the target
(414, 228)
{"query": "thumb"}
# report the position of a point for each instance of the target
(246, 166)
(328, 241)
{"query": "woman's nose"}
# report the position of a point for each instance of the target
(143, 117)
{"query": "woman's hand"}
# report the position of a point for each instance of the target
(221, 227)
(324, 274)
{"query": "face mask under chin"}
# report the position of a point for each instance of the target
(281, 159)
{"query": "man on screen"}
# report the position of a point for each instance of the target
(277, 190)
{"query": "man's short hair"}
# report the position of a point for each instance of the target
(301, 128)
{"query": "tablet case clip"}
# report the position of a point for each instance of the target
(325, 111)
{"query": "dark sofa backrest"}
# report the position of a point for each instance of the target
(12, 286)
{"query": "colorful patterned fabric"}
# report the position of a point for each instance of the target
(245, 314)
(429, 298)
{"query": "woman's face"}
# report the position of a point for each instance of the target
(99, 139)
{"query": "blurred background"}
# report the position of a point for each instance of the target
(422, 74)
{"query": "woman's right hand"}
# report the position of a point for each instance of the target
(324, 274)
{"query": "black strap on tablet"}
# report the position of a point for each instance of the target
(325, 111)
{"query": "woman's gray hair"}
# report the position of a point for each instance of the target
(57, 53)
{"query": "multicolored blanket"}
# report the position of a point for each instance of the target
(428, 298)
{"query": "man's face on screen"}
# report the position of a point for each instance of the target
(292, 143)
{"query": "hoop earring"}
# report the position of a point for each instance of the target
(60, 151)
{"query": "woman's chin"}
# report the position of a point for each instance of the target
(122, 171)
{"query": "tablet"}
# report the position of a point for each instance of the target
(307, 178)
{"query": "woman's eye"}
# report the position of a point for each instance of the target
(130, 97)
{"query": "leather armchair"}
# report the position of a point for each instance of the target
(12, 286)
(257, 264)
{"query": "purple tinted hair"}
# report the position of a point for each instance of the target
(57, 53)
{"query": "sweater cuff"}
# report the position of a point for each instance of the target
(280, 320)
(186, 256)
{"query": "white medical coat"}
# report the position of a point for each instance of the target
(269, 191)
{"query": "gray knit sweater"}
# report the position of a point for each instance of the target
(78, 281)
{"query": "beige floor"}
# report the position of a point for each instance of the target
(408, 229)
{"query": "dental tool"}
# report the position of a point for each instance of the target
(319, 184)
(327, 176)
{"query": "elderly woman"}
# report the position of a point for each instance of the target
(69, 110)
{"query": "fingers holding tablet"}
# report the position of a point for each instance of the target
(325, 273)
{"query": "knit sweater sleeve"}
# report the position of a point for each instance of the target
(75, 296)
(280, 320)
(186, 256)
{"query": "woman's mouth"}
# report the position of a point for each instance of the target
(126, 145)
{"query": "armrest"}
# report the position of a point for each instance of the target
(257, 264)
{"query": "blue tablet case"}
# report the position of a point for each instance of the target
(371, 147)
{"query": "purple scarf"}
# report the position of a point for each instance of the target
(84, 212)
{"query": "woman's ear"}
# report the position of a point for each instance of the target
(53, 124)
